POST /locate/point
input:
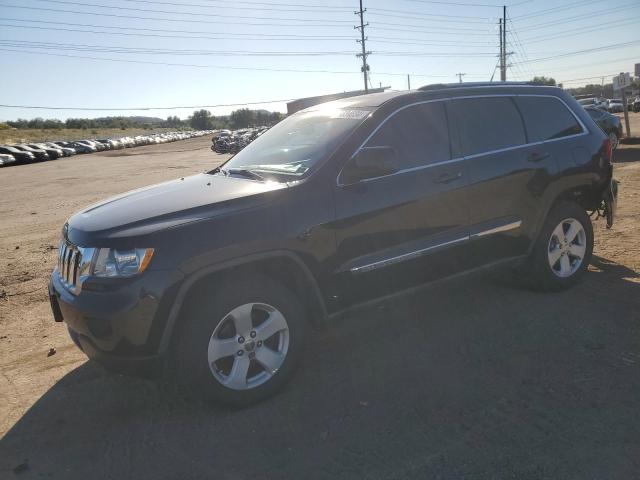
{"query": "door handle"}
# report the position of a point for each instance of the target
(448, 177)
(538, 157)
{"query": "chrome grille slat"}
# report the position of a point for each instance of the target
(70, 261)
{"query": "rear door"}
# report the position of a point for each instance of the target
(408, 227)
(506, 176)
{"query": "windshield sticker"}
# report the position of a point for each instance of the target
(351, 114)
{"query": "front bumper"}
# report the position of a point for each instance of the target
(119, 324)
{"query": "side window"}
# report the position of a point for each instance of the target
(488, 124)
(547, 118)
(419, 134)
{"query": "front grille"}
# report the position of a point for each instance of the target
(70, 262)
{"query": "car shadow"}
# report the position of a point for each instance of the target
(470, 379)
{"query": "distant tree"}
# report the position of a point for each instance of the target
(201, 120)
(173, 122)
(243, 118)
(52, 124)
(544, 81)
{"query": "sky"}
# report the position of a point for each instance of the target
(131, 54)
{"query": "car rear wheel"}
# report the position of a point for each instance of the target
(613, 138)
(563, 250)
(241, 344)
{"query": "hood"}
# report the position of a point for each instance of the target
(166, 205)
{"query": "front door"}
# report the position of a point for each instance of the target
(408, 227)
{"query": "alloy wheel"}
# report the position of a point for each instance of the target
(248, 346)
(567, 247)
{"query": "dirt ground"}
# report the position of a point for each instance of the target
(475, 379)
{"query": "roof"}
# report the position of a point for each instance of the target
(446, 86)
(375, 100)
(302, 103)
(361, 101)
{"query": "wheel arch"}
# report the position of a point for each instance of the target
(582, 195)
(284, 266)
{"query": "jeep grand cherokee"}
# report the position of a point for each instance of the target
(218, 277)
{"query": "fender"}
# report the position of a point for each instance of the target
(557, 191)
(235, 262)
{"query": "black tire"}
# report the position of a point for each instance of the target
(191, 365)
(539, 273)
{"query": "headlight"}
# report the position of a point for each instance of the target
(121, 263)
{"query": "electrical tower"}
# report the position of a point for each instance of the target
(460, 75)
(365, 53)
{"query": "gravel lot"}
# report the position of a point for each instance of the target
(473, 379)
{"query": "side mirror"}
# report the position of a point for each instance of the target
(371, 162)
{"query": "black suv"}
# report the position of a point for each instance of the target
(215, 279)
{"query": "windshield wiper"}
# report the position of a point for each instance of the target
(218, 170)
(244, 172)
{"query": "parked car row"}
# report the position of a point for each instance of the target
(613, 105)
(228, 141)
(42, 151)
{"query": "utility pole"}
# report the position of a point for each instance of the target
(503, 75)
(364, 54)
(502, 68)
(460, 75)
(408, 82)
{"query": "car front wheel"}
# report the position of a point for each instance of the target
(241, 344)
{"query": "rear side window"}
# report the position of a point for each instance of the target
(547, 118)
(488, 124)
(418, 133)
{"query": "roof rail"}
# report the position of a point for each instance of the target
(442, 86)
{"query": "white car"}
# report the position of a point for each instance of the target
(615, 106)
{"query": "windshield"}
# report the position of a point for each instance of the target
(296, 144)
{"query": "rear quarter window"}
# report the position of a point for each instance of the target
(547, 118)
(487, 124)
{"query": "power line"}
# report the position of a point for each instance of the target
(460, 4)
(133, 17)
(255, 36)
(163, 51)
(575, 18)
(588, 50)
(308, 8)
(553, 10)
(222, 67)
(100, 109)
(439, 16)
(168, 51)
(197, 14)
(590, 65)
(190, 14)
(427, 30)
(582, 30)
(276, 4)
(227, 35)
(519, 46)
